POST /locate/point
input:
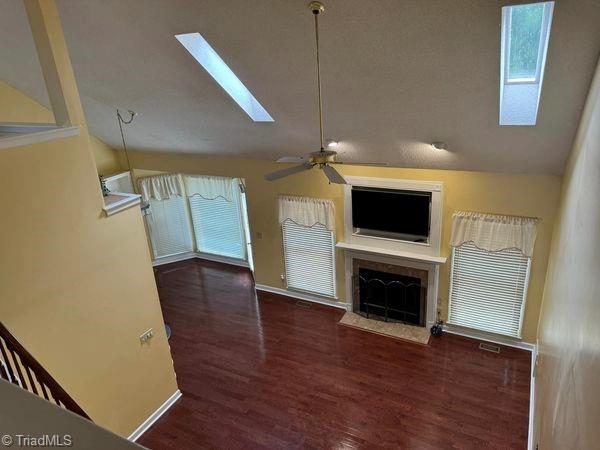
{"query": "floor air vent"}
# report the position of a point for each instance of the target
(489, 347)
(303, 304)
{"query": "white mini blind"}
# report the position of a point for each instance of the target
(309, 254)
(218, 225)
(488, 289)
(169, 227)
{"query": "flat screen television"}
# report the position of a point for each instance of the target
(395, 214)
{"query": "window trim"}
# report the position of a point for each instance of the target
(542, 47)
(334, 269)
(519, 335)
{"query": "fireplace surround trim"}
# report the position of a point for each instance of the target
(432, 278)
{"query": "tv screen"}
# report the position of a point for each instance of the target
(391, 211)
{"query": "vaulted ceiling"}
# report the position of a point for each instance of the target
(397, 75)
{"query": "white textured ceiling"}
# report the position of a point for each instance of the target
(396, 75)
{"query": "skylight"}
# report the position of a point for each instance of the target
(216, 67)
(525, 34)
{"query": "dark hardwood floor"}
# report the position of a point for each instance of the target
(267, 373)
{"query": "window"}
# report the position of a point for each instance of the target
(218, 225)
(524, 50)
(488, 289)
(207, 216)
(168, 225)
(525, 35)
(309, 258)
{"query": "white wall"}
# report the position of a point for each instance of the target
(568, 386)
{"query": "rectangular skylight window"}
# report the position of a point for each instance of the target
(216, 67)
(525, 34)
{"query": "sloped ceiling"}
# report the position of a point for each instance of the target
(397, 74)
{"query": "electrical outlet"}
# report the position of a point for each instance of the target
(149, 334)
(259, 235)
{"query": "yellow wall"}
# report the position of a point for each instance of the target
(528, 195)
(567, 386)
(76, 287)
(17, 107)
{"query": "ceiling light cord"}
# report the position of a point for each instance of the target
(316, 12)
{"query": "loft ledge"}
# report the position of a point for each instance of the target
(119, 201)
(20, 134)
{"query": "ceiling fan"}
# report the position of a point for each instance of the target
(323, 159)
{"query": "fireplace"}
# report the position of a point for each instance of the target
(388, 292)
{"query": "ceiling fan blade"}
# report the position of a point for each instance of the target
(350, 163)
(292, 159)
(287, 172)
(333, 175)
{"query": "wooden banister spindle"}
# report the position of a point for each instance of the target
(31, 382)
(44, 391)
(11, 375)
(18, 368)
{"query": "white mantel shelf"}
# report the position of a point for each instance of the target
(395, 253)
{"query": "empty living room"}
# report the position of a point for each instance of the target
(289, 224)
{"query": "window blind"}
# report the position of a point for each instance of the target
(309, 258)
(218, 225)
(169, 227)
(488, 289)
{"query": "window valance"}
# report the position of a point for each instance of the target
(493, 232)
(208, 187)
(307, 211)
(161, 187)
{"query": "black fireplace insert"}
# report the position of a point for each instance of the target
(391, 297)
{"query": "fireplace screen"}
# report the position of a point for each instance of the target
(390, 297)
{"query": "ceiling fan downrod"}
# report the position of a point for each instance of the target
(322, 158)
(317, 8)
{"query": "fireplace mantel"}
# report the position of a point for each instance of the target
(437, 260)
(430, 263)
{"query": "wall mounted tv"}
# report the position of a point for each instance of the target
(389, 213)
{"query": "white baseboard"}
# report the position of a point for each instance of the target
(191, 255)
(301, 296)
(482, 336)
(173, 258)
(223, 259)
(531, 434)
(154, 416)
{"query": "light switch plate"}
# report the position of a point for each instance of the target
(149, 334)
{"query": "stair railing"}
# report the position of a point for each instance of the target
(19, 367)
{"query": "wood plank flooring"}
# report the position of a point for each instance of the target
(266, 373)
